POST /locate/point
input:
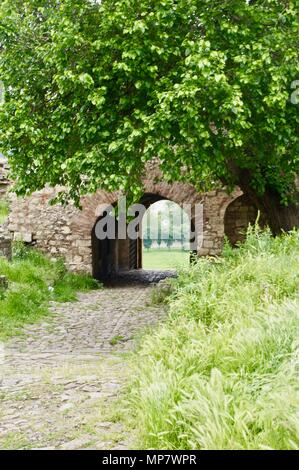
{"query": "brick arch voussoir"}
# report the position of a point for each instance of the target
(229, 199)
(180, 193)
(92, 205)
(84, 220)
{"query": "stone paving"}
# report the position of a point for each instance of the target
(142, 276)
(61, 380)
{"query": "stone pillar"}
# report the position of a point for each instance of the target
(123, 254)
(214, 208)
(5, 243)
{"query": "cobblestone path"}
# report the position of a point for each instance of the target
(61, 379)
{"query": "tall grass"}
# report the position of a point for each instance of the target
(222, 373)
(33, 281)
(4, 210)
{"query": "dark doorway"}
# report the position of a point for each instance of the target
(104, 256)
(118, 258)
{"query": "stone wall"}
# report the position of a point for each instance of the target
(5, 238)
(239, 214)
(5, 242)
(36, 222)
(65, 231)
(4, 182)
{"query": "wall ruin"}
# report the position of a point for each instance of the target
(66, 231)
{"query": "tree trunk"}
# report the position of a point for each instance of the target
(279, 217)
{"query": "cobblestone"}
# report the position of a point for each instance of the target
(61, 378)
(142, 276)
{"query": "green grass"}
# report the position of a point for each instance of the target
(3, 210)
(116, 339)
(165, 259)
(222, 372)
(34, 280)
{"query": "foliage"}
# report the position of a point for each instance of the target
(159, 234)
(147, 243)
(170, 239)
(34, 280)
(222, 372)
(170, 219)
(65, 289)
(95, 89)
(4, 210)
(162, 291)
(116, 339)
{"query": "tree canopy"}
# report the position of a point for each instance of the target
(96, 89)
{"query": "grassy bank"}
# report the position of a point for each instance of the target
(222, 373)
(33, 281)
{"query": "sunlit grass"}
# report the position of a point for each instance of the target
(157, 259)
(33, 280)
(222, 373)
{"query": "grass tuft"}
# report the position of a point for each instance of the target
(33, 281)
(4, 210)
(222, 372)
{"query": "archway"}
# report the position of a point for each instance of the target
(114, 258)
(239, 214)
(104, 251)
(165, 236)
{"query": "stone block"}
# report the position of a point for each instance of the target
(208, 243)
(25, 237)
(66, 230)
(203, 252)
(83, 243)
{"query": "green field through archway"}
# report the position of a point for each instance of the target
(166, 235)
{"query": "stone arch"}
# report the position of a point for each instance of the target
(91, 208)
(178, 196)
(66, 231)
(238, 215)
(180, 193)
(109, 257)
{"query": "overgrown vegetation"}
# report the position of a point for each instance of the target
(3, 210)
(33, 280)
(222, 372)
(206, 85)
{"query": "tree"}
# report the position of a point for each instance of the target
(96, 89)
(159, 234)
(147, 243)
(170, 237)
